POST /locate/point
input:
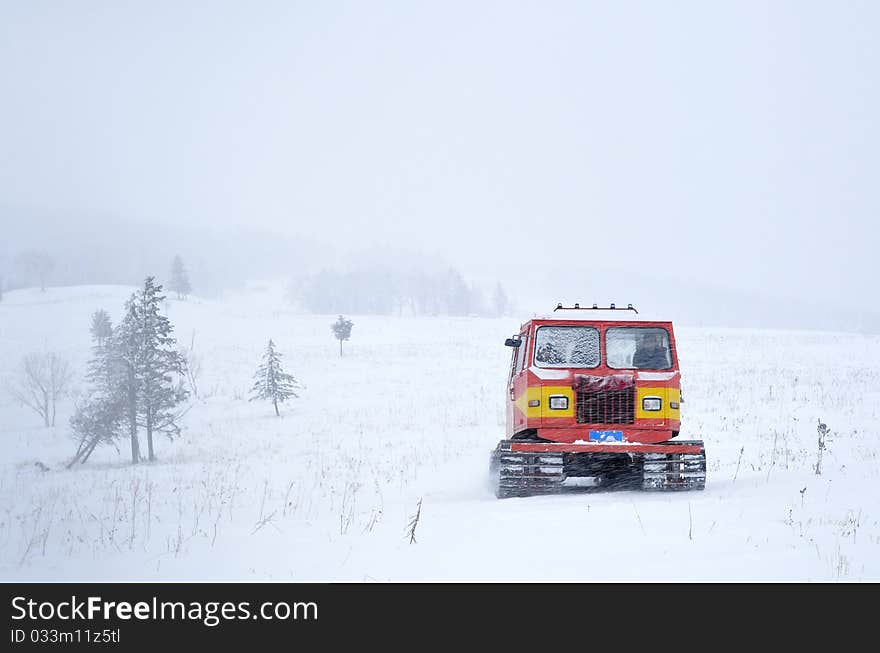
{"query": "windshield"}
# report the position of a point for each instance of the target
(564, 346)
(641, 348)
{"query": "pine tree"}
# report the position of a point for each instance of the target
(500, 302)
(104, 368)
(95, 422)
(101, 327)
(342, 330)
(159, 362)
(100, 418)
(132, 376)
(126, 346)
(179, 282)
(271, 382)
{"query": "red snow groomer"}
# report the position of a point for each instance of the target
(594, 394)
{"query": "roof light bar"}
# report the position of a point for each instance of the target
(595, 307)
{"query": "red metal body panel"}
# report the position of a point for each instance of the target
(527, 381)
(634, 447)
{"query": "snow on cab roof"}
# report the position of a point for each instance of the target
(598, 315)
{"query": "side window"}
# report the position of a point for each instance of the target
(514, 359)
(521, 351)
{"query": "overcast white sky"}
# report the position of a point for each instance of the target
(731, 144)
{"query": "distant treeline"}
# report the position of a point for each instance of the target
(381, 290)
(71, 249)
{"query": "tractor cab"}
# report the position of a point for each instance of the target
(594, 374)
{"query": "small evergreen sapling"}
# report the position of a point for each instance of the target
(271, 382)
(342, 330)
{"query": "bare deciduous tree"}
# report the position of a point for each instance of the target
(42, 380)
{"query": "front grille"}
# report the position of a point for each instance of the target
(606, 406)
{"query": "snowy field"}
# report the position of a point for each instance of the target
(410, 414)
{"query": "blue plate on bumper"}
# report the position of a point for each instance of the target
(606, 436)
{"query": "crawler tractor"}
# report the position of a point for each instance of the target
(594, 398)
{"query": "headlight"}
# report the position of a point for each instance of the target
(558, 402)
(651, 403)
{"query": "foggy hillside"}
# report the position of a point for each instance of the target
(91, 248)
(101, 249)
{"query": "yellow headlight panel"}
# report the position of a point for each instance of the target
(548, 391)
(666, 395)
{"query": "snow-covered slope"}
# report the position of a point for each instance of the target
(409, 414)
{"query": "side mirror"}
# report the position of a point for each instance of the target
(513, 342)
